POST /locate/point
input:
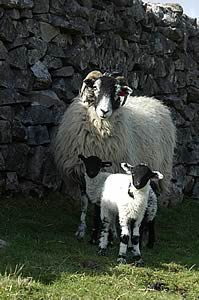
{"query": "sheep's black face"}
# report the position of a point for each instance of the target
(93, 165)
(107, 93)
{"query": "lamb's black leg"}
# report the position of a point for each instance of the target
(96, 225)
(151, 227)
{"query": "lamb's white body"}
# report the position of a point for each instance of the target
(116, 201)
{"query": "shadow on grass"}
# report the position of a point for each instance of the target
(42, 244)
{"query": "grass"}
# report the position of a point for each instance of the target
(44, 261)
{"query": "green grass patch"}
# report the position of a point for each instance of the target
(44, 260)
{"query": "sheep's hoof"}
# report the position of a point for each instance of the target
(139, 262)
(121, 260)
(102, 252)
(80, 233)
(93, 242)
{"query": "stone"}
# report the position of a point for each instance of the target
(20, 4)
(8, 31)
(41, 6)
(67, 71)
(16, 158)
(46, 98)
(42, 76)
(7, 79)
(48, 32)
(55, 51)
(38, 114)
(75, 25)
(193, 171)
(52, 63)
(193, 94)
(37, 51)
(2, 163)
(7, 96)
(12, 183)
(18, 132)
(5, 132)
(63, 40)
(6, 113)
(3, 51)
(60, 88)
(23, 80)
(37, 135)
(33, 27)
(18, 58)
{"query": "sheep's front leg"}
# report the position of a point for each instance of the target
(103, 242)
(135, 235)
(124, 239)
(96, 225)
(80, 233)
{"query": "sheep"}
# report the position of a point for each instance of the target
(94, 181)
(96, 123)
(128, 197)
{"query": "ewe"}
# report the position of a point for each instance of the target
(96, 123)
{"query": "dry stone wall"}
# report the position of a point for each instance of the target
(48, 46)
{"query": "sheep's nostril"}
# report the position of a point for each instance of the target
(104, 111)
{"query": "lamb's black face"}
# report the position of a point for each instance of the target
(94, 164)
(141, 174)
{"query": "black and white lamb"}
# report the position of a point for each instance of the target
(97, 123)
(126, 195)
(93, 185)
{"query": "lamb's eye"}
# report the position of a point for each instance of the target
(94, 88)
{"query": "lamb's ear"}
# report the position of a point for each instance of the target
(126, 167)
(106, 163)
(157, 175)
(82, 157)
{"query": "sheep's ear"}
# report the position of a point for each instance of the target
(82, 157)
(106, 164)
(89, 82)
(126, 167)
(157, 175)
(125, 91)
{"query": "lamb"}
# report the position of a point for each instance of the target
(104, 120)
(94, 181)
(127, 196)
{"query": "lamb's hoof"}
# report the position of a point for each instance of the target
(139, 262)
(121, 260)
(102, 252)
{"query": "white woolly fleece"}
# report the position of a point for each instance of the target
(140, 131)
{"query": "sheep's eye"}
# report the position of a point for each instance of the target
(94, 88)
